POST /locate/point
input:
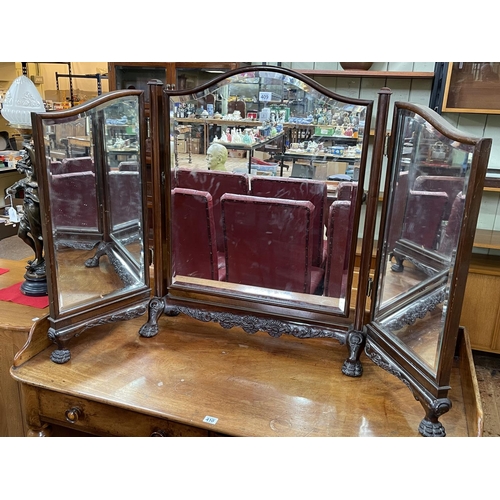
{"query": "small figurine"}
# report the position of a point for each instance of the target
(30, 225)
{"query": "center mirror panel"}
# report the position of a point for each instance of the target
(426, 208)
(265, 169)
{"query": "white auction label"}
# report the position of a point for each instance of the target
(265, 96)
(210, 420)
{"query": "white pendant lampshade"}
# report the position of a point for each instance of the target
(21, 99)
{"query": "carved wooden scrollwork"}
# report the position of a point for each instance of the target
(249, 323)
(418, 310)
(376, 356)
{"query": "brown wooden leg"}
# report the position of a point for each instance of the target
(352, 365)
(156, 308)
(60, 355)
(44, 431)
(434, 408)
(35, 427)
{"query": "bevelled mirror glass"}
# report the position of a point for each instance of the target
(430, 181)
(265, 169)
(91, 171)
(432, 199)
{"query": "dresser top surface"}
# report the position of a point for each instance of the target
(244, 385)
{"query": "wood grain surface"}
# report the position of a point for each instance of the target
(16, 321)
(251, 385)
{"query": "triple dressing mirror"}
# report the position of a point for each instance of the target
(265, 196)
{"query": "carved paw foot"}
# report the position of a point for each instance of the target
(398, 266)
(352, 368)
(92, 262)
(352, 365)
(431, 429)
(156, 309)
(148, 330)
(60, 356)
(101, 250)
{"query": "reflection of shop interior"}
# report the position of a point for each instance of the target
(318, 157)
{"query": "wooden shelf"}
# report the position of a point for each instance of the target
(487, 238)
(491, 183)
(367, 73)
(485, 264)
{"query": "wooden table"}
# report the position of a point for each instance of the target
(197, 379)
(251, 148)
(207, 123)
(15, 323)
(310, 159)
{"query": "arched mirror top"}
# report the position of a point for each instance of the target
(264, 166)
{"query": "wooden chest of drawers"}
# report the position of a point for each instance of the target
(198, 379)
(101, 419)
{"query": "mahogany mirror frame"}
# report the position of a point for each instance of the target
(231, 308)
(430, 388)
(125, 304)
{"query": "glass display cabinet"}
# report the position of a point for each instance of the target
(91, 171)
(136, 75)
(433, 193)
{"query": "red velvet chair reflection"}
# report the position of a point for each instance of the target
(268, 243)
(125, 198)
(338, 242)
(440, 183)
(193, 235)
(423, 217)
(346, 191)
(80, 164)
(55, 166)
(216, 183)
(74, 202)
(421, 230)
(299, 189)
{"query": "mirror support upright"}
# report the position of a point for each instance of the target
(356, 337)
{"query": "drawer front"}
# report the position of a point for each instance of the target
(104, 420)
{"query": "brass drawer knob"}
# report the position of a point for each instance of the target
(73, 414)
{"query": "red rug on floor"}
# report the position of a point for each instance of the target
(3, 271)
(13, 294)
